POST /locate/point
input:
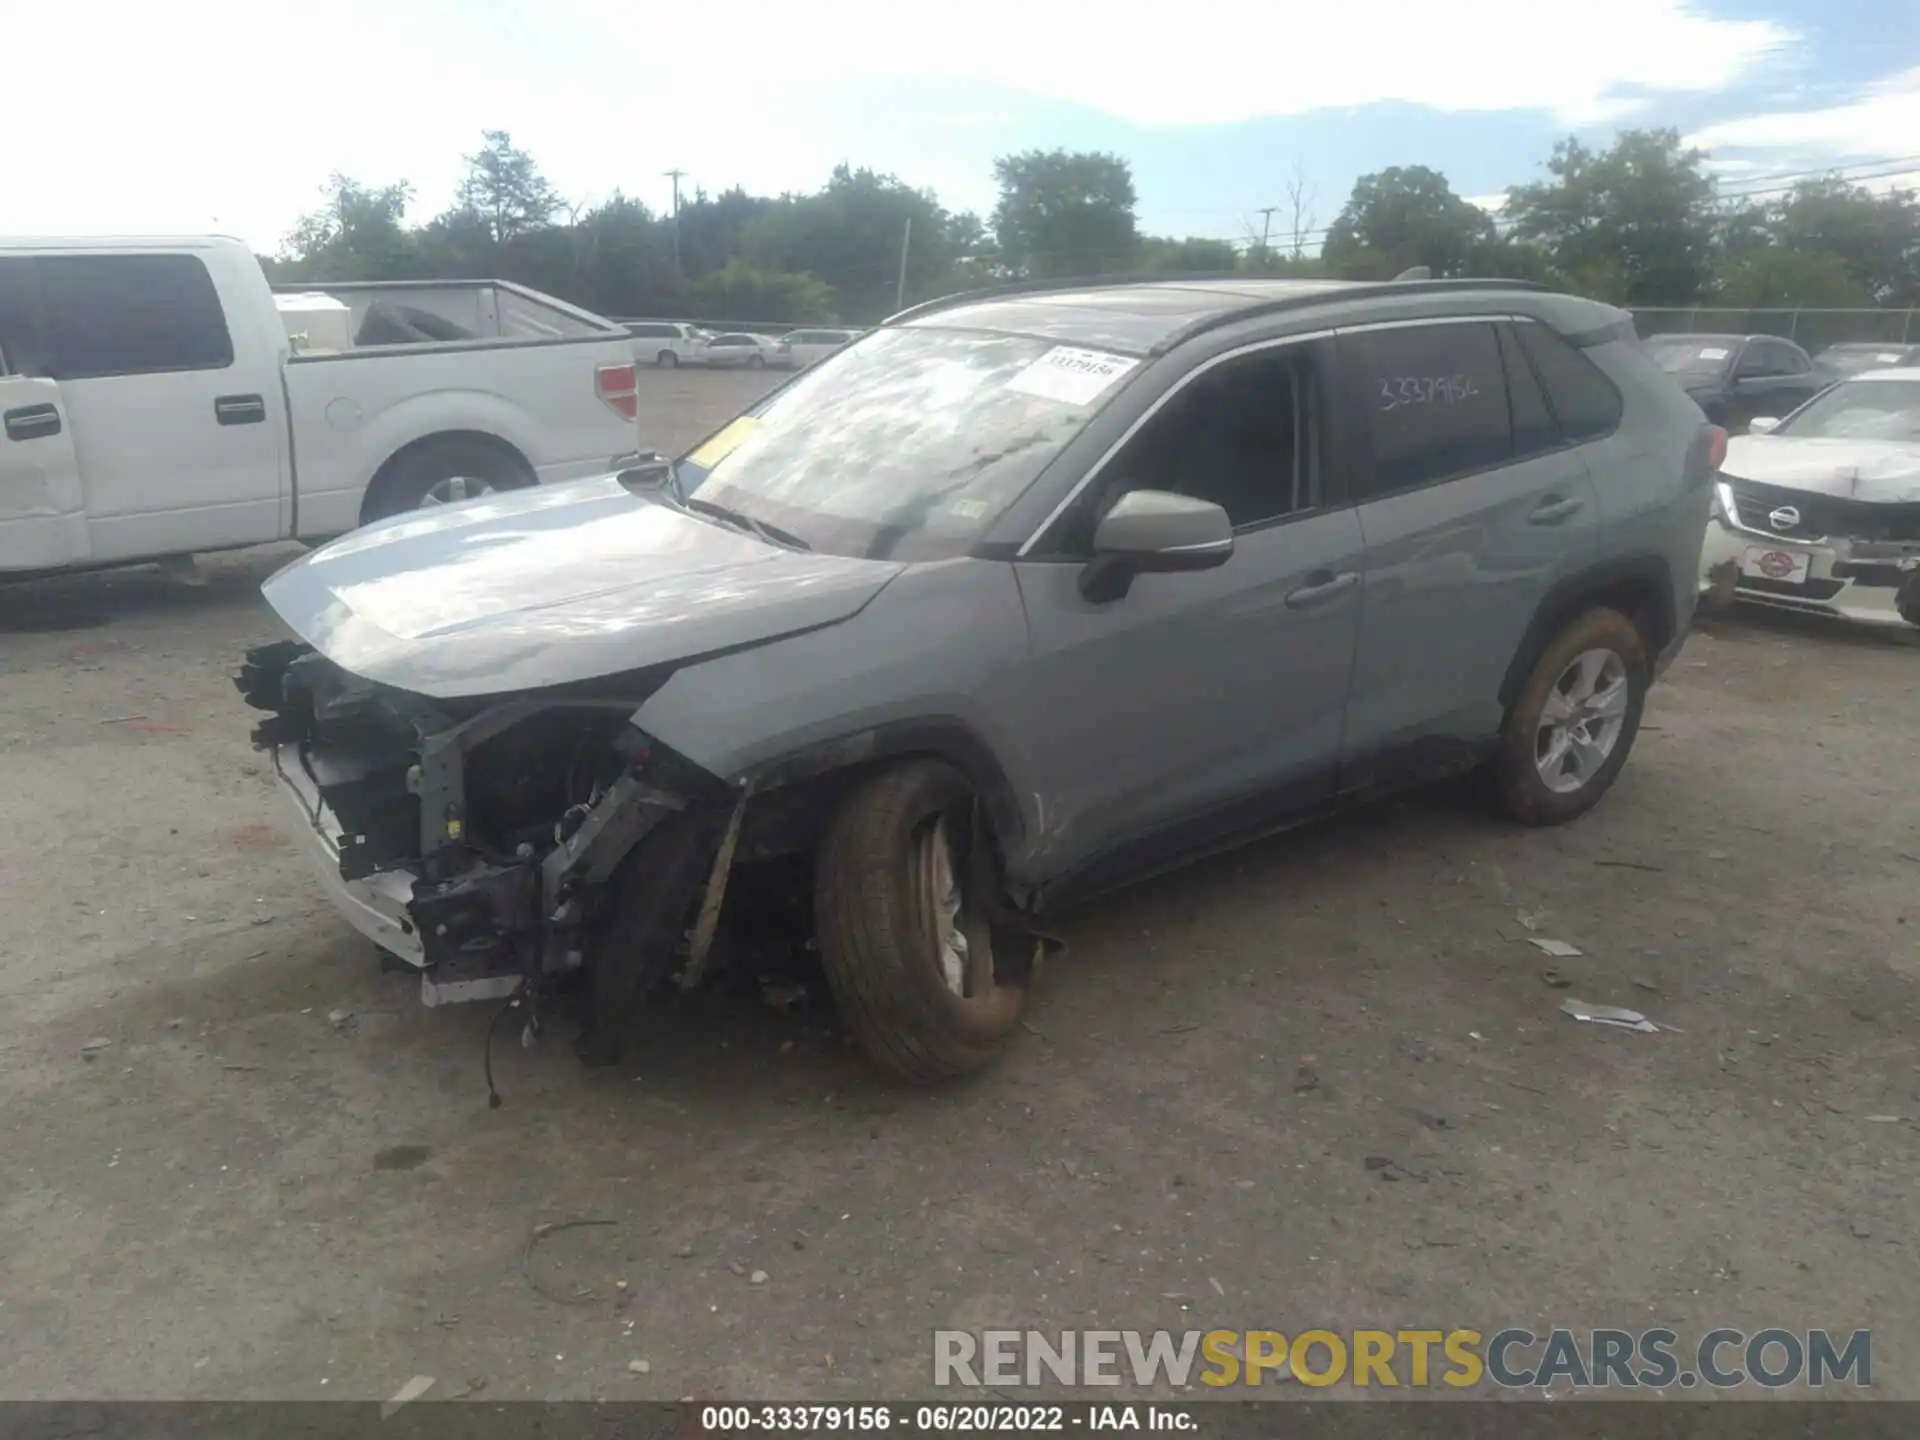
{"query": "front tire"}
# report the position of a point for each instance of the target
(667, 360)
(909, 953)
(1570, 729)
(758, 362)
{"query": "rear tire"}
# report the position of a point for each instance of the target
(667, 360)
(440, 473)
(1574, 721)
(758, 362)
(909, 955)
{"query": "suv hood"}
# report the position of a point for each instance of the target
(1883, 471)
(549, 585)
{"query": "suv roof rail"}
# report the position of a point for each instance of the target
(1333, 289)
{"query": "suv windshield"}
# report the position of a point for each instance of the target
(1691, 354)
(1860, 410)
(906, 445)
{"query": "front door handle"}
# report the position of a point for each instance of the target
(1322, 587)
(1554, 509)
(239, 409)
(32, 422)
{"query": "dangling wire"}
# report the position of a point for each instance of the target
(494, 1102)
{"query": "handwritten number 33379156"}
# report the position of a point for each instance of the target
(1399, 390)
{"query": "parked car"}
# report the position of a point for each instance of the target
(1821, 511)
(1839, 362)
(666, 343)
(1179, 565)
(158, 400)
(1736, 377)
(801, 348)
(735, 349)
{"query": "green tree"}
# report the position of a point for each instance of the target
(1193, 256)
(1401, 217)
(1064, 212)
(357, 234)
(1272, 262)
(1633, 224)
(745, 292)
(849, 234)
(504, 187)
(713, 229)
(623, 261)
(1773, 277)
(1876, 237)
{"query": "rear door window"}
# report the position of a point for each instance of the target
(130, 315)
(1436, 401)
(1583, 400)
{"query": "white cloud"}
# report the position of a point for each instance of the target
(229, 113)
(1884, 121)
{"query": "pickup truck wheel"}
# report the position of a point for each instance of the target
(667, 360)
(909, 954)
(440, 474)
(1570, 730)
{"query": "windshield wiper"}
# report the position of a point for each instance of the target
(740, 520)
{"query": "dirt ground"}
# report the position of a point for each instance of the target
(239, 1198)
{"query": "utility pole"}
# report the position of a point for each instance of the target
(1266, 225)
(900, 291)
(674, 175)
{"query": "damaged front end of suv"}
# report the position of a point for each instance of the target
(476, 840)
(591, 740)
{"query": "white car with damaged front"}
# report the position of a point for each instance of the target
(1821, 511)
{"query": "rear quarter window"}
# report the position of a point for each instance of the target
(1584, 401)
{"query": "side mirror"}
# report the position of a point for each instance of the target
(644, 467)
(1763, 424)
(1154, 532)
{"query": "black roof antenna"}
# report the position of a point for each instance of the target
(1418, 272)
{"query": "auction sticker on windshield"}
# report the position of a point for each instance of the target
(724, 443)
(1071, 376)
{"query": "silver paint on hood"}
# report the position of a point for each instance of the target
(554, 584)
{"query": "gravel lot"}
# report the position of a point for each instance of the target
(238, 1198)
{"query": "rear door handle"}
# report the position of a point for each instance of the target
(32, 422)
(239, 409)
(1553, 510)
(1322, 587)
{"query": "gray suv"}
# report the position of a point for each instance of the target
(1018, 598)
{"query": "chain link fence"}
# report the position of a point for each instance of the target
(1811, 330)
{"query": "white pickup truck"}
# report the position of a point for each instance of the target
(157, 398)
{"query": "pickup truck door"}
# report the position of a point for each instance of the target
(173, 398)
(43, 521)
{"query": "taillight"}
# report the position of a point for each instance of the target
(618, 387)
(1716, 447)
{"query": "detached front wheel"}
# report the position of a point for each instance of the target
(904, 933)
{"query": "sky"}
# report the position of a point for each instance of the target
(228, 115)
